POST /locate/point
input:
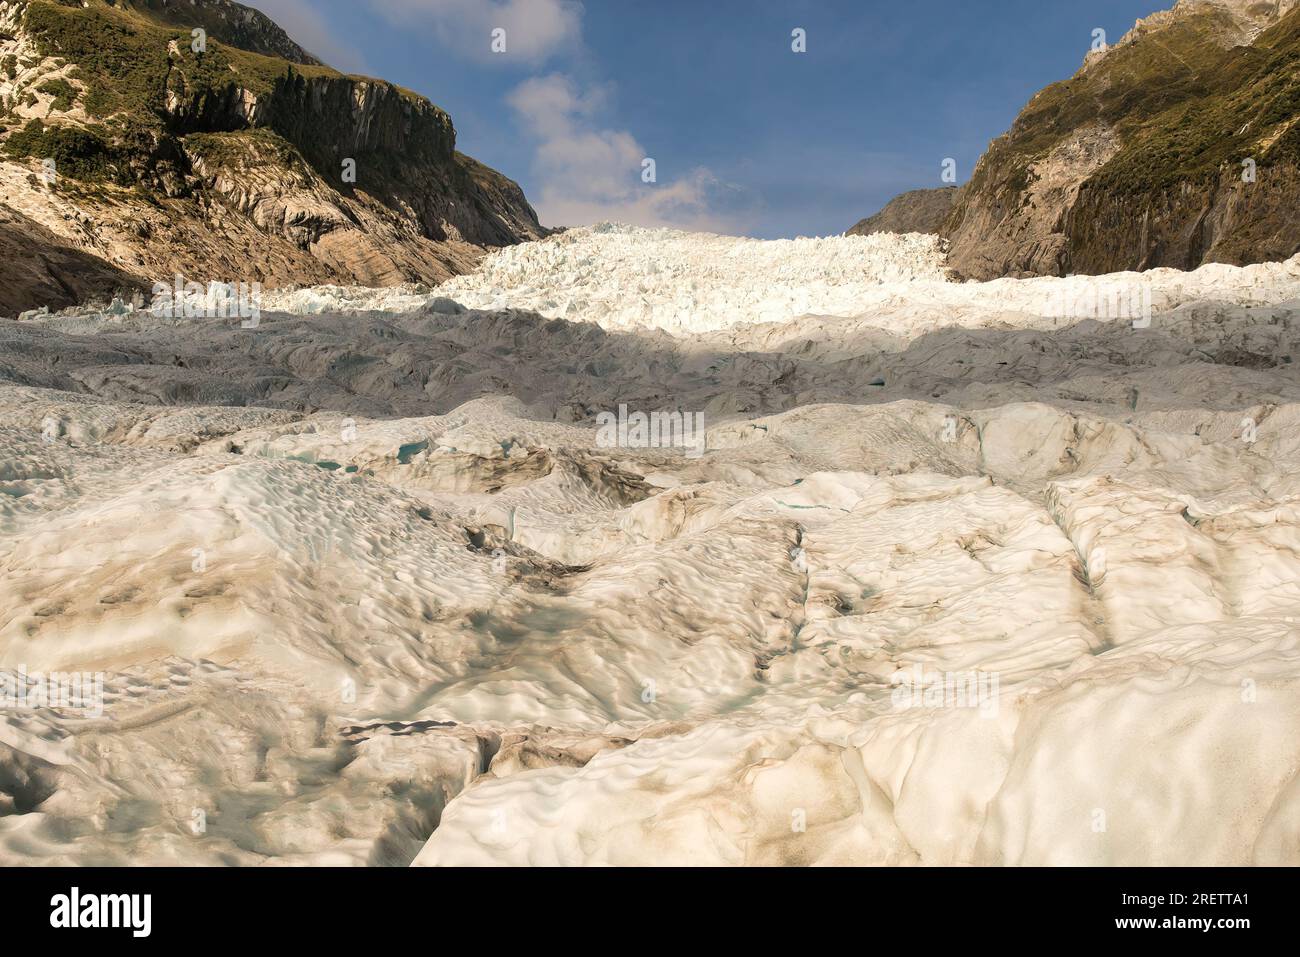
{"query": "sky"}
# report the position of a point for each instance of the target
(747, 136)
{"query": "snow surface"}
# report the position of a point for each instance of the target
(366, 588)
(631, 278)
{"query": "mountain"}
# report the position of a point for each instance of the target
(1139, 160)
(917, 211)
(228, 162)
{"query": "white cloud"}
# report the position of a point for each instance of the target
(535, 29)
(589, 173)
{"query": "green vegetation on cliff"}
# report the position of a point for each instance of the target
(130, 63)
(1250, 113)
(229, 150)
(1133, 83)
(243, 149)
(64, 93)
(149, 90)
(1137, 160)
(84, 153)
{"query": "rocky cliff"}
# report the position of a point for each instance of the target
(917, 211)
(1177, 145)
(238, 158)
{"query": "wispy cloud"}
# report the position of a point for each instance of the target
(535, 30)
(589, 173)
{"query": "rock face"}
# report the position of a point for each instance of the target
(247, 160)
(237, 24)
(1176, 146)
(917, 211)
(40, 266)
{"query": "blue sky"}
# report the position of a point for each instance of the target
(747, 136)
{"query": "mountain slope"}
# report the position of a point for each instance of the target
(916, 211)
(38, 266)
(1137, 160)
(247, 160)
